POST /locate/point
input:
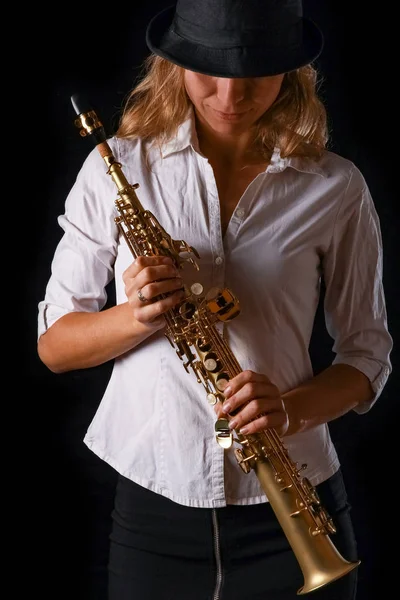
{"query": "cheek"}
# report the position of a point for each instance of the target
(265, 98)
(197, 87)
(196, 94)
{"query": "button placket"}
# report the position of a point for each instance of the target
(215, 237)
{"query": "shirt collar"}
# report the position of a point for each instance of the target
(187, 136)
(279, 164)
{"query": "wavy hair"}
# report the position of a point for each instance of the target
(296, 122)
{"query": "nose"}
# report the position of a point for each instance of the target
(230, 91)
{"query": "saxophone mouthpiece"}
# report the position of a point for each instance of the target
(80, 103)
(88, 122)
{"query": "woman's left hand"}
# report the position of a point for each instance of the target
(253, 403)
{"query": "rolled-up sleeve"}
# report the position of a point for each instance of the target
(355, 309)
(82, 265)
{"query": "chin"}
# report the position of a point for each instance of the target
(234, 127)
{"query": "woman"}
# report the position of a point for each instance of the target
(227, 139)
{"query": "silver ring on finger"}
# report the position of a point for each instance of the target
(141, 297)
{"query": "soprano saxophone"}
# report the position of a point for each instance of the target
(192, 332)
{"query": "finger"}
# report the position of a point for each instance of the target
(147, 313)
(155, 273)
(253, 409)
(249, 392)
(152, 260)
(158, 288)
(141, 262)
(242, 378)
(276, 420)
(219, 410)
(148, 275)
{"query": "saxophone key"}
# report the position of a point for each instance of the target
(211, 399)
(196, 289)
(222, 381)
(187, 310)
(223, 433)
(242, 460)
(223, 304)
(211, 362)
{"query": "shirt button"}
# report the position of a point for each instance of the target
(240, 212)
(219, 260)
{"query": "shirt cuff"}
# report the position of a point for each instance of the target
(377, 374)
(48, 314)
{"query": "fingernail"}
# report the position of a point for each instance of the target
(167, 260)
(232, 424)
(227, 391)
(244, 430)
(226, 407)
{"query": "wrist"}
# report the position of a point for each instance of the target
(296, 423)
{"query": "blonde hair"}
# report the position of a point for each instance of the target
(296, 122)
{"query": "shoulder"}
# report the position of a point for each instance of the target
(93, 185)
(335, 175)
(130, 153)
(337, 167)
(354, 202)
(122, 147)
(126, 150)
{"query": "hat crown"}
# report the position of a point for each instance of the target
(235, 38)
(219, 12)
(243, 22)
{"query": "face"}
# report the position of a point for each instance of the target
(231, 105)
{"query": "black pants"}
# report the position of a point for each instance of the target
(161, 550)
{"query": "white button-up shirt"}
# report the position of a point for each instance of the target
(297, 220)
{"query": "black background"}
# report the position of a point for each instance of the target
(100, 52)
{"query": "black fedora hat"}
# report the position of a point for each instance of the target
(235, 38)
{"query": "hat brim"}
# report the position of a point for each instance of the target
(254, 61)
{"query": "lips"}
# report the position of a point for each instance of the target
(229, 116)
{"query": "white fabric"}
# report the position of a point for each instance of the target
(293, 222)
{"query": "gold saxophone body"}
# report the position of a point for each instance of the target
(191, 330)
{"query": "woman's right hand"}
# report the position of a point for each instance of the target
(148, 277)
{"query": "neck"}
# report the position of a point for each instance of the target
(229, 149)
